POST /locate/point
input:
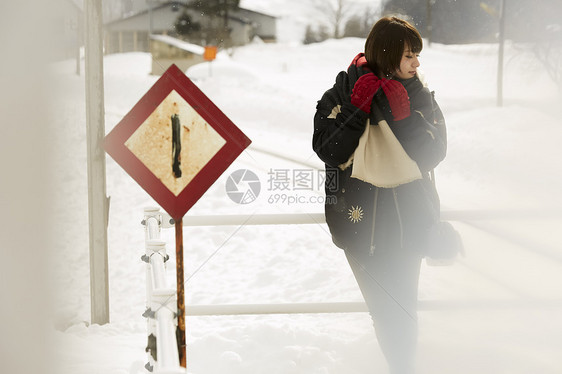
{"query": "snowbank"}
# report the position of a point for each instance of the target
(501, 304)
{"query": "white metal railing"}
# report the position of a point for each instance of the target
(166, 305)
(346, 307)
(161, 301)
(287, 219)
(361, 307)
(247, 219)
(319, 218)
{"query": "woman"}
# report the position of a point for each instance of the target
(377, 131)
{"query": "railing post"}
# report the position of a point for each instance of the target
(164, 305)
(151, 223)
(161, 301)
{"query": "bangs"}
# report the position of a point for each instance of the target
(414, 42)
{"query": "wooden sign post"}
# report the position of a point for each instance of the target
(181, 292)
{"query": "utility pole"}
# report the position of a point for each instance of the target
(150, 20)
(429, 26)
(79, 39)
(98, 203)
(500, 53)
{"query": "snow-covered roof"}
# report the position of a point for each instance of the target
(263, 10)
(183, 45)
(168, 3)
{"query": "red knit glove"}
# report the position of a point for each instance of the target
(367, 86)
(397, 98)
(364, 90)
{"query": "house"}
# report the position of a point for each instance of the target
(131, 33)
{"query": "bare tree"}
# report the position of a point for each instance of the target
(370, 16)
(354, 28)
(549, 53)
(336, 12)
(359, 25)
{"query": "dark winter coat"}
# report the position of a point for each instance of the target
(359, 214)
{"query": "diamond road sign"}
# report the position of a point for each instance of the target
(175, 142)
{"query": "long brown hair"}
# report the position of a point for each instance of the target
(385, 44)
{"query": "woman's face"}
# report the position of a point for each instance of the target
(408, 64)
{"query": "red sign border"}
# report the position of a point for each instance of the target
(236, 142)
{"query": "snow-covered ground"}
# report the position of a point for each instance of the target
(496, 311)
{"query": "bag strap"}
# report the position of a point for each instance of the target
(432, 177)
(439, 120)
(439, 123)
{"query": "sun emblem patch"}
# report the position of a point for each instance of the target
(355, 214)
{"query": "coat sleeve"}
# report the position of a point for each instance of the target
(418, 133)
(338, 124)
